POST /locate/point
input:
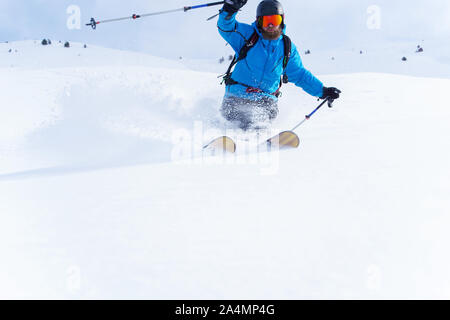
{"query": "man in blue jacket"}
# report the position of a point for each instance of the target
(266, 58)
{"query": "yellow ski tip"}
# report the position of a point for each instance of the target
(222, 143)
(286, 139)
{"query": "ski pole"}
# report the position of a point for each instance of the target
(93, 23)
(307, 117)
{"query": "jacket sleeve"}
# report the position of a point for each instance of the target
(235, 33)
(301, 77)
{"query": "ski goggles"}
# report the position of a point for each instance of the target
(275, 20)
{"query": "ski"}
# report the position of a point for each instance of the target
(283, 140)
(224, 144)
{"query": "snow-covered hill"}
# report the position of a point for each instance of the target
(92, 204)
(372, 57)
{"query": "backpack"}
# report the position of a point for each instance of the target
(250, 43)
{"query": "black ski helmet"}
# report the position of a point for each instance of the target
(269, 8)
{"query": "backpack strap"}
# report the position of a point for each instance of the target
(250, 43)
(287, 56)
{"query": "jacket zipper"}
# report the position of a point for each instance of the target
(265, 66)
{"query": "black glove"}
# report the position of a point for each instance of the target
(233, 6)
(331, 93)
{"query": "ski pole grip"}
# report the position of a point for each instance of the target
(92, 23)
(330, 103)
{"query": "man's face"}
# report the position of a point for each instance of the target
(272, 32)
(271, 27)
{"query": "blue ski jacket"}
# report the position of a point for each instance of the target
(263, 66)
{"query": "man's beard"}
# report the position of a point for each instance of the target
(272, 35)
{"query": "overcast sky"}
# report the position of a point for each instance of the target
(319, 24)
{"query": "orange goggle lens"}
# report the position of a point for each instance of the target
(276, 20)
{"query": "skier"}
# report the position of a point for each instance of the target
(265, 58)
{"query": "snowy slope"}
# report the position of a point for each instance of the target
(380, 58)
(93, 206)
(32, 55)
